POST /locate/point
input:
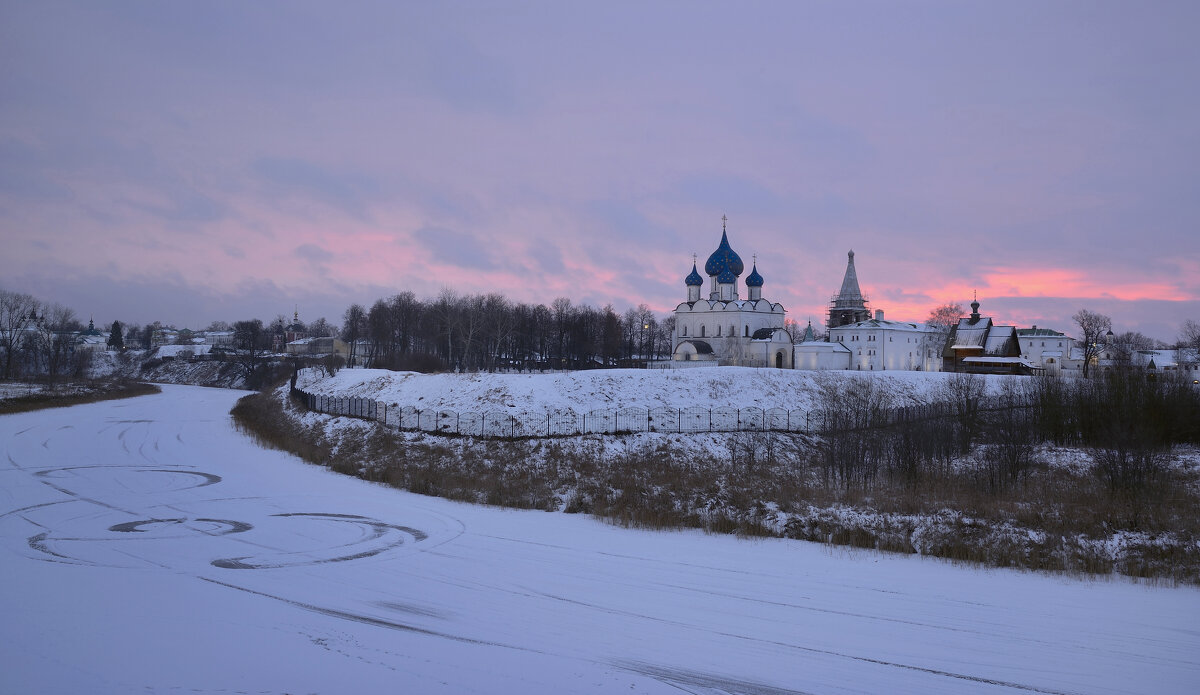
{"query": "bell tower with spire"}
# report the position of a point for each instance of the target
(848, 305)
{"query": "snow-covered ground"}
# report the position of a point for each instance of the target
(584, 391)
(149, 547)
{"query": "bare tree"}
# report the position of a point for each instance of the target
(251, 340)
(353, 327)
(1128, 343)
(1094, 327)
(1189, 335)
(321, 328)
(16, 311)
(964, 393)
(943, 318)
(50, 340)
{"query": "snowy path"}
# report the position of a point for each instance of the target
(149, 547)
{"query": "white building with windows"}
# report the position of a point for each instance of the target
(881, 345)
(724, 327)
(1045, 348)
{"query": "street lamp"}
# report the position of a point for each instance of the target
(645, 340)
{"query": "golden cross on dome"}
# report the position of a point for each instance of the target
(724, 219)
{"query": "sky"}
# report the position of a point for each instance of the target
(192, 162)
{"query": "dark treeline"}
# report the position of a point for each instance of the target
(488, 332)
(1127, 423)
(38, 338)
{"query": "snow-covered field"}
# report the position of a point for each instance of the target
(584, 391)
(149, 547)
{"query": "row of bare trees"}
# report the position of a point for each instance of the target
(1128, 422)
(488, 332)
(37, 338)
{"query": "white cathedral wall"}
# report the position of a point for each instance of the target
(883, 349)
(688, 321)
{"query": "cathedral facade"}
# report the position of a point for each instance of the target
(725, 327)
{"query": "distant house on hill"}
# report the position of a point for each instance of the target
(219, 338)
(319, 346)
(978, 346)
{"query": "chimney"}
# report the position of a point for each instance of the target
(879, 314)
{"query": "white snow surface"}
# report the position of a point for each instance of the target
(583, 391)
(150, 547)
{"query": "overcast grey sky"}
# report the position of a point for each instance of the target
(186, 162)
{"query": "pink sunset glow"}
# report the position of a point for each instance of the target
(196, 163)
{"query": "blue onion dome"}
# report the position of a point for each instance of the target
(724, 262)
(693, 278)
(754, 279)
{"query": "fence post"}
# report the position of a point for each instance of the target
(647, 419)
(512, 427)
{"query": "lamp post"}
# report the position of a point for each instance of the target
(645, 341)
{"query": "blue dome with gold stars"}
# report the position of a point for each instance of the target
(724, 262)
(693, 278)
(754, 279)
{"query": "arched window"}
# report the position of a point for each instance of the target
(747, 331)
(685, 331)
(702, 331)
(718, 331)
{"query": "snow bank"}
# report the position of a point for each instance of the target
(584, 391)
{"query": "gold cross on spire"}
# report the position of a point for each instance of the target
(724, 219)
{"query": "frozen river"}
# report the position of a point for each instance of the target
(149, 547)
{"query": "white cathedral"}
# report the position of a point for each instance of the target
(724, 327)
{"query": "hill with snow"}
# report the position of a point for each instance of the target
(585, 391)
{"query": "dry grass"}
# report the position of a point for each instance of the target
(1042, 518)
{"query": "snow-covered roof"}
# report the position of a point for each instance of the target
(765, 333)
(997, 338)
(1039, 333)
(702, 346)
(970, 335)
(887, 325)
